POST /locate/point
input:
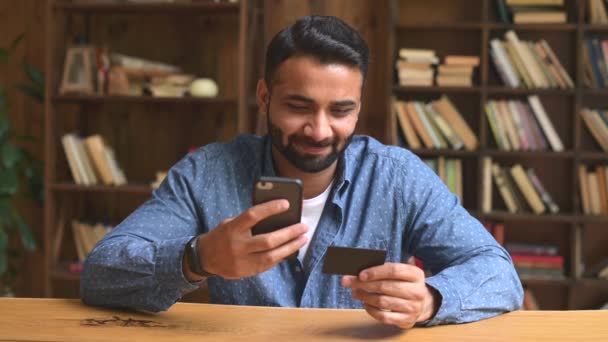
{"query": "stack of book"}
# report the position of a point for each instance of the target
(91, 159)
(597, 123)
(536, 261)
(457, 71)
(595, 62)
(594, 189)
(415, 67)
(596, 12)
(450, 172)
(531, 11)
(86, 237)
(520, 189)
(437, 124)
(528, 64)
(520, 126)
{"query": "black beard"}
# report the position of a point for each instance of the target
(303, 162)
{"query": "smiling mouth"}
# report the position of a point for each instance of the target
(313, 149)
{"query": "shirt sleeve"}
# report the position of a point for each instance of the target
(472, 272)
(138, 265)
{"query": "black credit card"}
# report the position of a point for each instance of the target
(351, 261)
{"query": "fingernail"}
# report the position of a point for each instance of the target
(284, 204)
(363, 275)
(346, 281)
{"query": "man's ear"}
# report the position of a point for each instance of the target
(262, 95)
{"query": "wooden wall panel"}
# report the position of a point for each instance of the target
(16, 17)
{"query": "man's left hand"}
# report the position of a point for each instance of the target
(395, 294)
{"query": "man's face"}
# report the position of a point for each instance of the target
(312, 111)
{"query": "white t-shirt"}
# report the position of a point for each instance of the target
(311, 213)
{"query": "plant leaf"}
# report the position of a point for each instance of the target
(35, 75)
(36, 94)
(9, 182)
(3, 251)
(27, 238)
(5, 211)
(3, 54)
(5, 127)
(10, 154)
(16, 42)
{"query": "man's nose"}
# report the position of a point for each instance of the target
(318, 127)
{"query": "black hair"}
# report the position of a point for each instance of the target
(328, 39)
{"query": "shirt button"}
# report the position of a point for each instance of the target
(298, 269)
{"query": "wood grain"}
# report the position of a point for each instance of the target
(69, 320)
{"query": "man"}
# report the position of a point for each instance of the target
(358, 193)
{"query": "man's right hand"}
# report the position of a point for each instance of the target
(232, 252)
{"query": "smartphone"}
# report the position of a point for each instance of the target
(270, 188)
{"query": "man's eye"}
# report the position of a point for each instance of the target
(342, 110)
(296, 107)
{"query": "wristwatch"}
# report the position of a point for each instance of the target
(194, 259)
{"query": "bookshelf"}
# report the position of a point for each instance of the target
(148, 134)
(230, 52)
(465, 27)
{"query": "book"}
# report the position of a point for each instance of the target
(540, 189)
(447, 131)
(534, 17)
(70, 155)
(503, 64)
(410, 109)
(527, 189)
(594, 195)
(503, 188)
(531, 249)
(530, 301)
(528, 60)
(535, 2)
(462, 60)
(584, 189)
(486, 185)
(406, 126)
(95, 146)
(449, 112)
(545, 123)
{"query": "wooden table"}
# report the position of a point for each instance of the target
(69, 320)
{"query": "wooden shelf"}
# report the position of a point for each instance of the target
(507, 216)
(435, 89)
(194, 8)
(593, 156)
(594, 219)
(529, 154)
(532, 27)
(591, 282)
(214, 101)
(596, 28)
(444, 153)
(494, 90)
(595, 91)
(123, 189)
(442, 26)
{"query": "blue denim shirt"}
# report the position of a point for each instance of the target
(383, 197)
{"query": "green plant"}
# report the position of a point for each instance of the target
(17, 166)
